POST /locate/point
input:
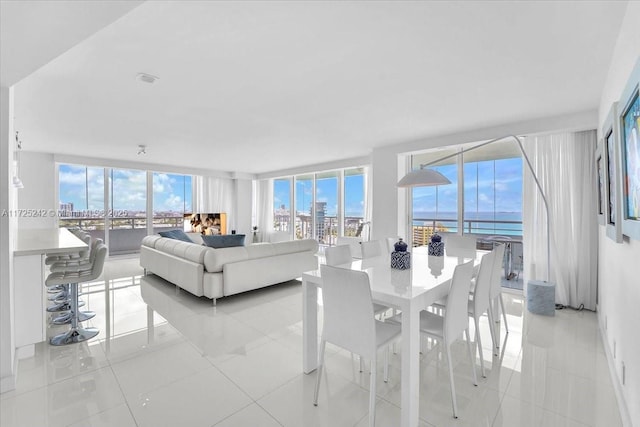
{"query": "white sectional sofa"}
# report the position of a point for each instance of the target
(215, 273)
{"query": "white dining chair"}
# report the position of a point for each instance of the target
(479, 303)
(448, 327)
(348, 322)
(353, 242)
(456, 245)
(371, 249)
(495, 295)
(339, 255)
(391, 241)
(336, 255)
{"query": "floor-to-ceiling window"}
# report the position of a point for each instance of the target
(490, 193)
(493, 190)
(435, 208)
(81, 195)
(282, 204)
(98, 199)
(489, 190)
(304, 207)
(172, 199)
(127, 210)
(354, 201)
(327, 204)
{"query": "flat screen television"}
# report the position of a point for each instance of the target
(205, 223)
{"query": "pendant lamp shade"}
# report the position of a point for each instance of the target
(423, 178)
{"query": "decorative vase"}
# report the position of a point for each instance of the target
(436, 246)
(400, 258)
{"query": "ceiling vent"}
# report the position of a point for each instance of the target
(147, 78)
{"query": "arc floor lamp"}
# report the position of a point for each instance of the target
(425, 177)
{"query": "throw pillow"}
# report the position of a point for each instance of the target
(176, 234)
(225, 241)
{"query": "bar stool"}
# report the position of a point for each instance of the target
(64, 304)
(61, 292)
(77, 333)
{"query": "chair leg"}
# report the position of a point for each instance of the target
(453, 388)
(504, 314)
(493, 322)
(471, 357)
(319, 373)
(372, 392)
(479, 344)
(361, 363)
(494, 338)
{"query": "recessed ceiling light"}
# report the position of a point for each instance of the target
(147, 78)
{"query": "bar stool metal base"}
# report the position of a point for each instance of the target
(63, 306)
(74, 335)
(65, 319)
(55, 289)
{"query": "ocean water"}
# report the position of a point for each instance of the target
(493, 223)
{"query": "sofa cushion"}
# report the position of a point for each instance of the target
(176, 234)
(224, 241)
(195, 238)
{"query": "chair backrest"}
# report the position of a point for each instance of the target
(94, 245)
(391, 241)
(353, 242)
(483, 284)
(456, 317)
(336, 255)
(496, 281)
(348, 310)
(99, 254)
(456, 245)
(371, 249)
(86, 238)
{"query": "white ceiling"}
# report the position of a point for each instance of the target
(261, 86)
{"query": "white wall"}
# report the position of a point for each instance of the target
(618, 272)
(8, 226)
(38, 174)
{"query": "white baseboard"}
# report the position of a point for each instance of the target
(622, 404)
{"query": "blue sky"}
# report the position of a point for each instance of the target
(84, 187)
(480, 182)
(327, 191)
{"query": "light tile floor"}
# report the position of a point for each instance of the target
(166, 358)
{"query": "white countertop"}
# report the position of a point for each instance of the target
(47, 241)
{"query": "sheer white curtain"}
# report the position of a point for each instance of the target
(264, 202)
(565, 166)
(214, 194)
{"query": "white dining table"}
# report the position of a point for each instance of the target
(410, 291)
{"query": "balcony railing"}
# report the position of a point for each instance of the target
(125, 233)
(423, 228)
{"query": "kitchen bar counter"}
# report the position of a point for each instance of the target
(30, 295)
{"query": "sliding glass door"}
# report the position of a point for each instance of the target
(96, 199)
(127, 214)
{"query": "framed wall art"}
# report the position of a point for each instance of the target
(613, 186)
(600, 184)
(629, 121)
